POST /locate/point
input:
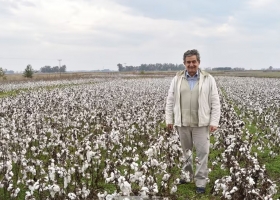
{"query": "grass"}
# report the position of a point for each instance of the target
(271, 164)
(78, 75)
(248, 73)
(187, 191)
(9, 93)
(16, 92)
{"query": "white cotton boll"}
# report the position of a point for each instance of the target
(53, 189)
(32, 170)
(272, 189)
(101, 196)
(175, 147)
(144, 191)
(228, 179)
(109, 197)
(72, 170)
(81, 156)
(89, 155)
(250, 180)
(154, 162)
(177, 181)
(9, 165)
(133, 178)
(85, 192)
(125, 188)
(138, 174)
(234, 189)
(165, 177)
(23, 152)
(155, 188)
(85, 166)
(10, 187)
(72, 196)
(173, 189)
(257, 167)
(17, 191)
(141, 180)
(227, 195)
(164, 185)
(185, 175)
(134, 166)
(163, 166)
(52, 174)
(11, 174)
(27, 195)
(149, 152)
(108, 180)
(65, 182)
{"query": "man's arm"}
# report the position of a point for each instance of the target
(170, 105)
(215, 106)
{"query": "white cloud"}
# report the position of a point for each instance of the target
(90, 31)
(260, 3)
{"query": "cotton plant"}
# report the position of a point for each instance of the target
(72, 140)
(241, 181)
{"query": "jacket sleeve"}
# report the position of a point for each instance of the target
(170, 103)
(215, 104)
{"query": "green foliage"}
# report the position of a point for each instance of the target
(152, 67)
(28, 72)
(55, 69)
(2, 74)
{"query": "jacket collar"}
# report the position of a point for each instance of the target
(201, 73)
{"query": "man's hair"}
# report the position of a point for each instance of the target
(192, 52)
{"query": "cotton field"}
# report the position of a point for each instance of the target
(106, 138)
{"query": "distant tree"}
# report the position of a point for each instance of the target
(152, 67)
(2, 74)
(28, 72)
(55, 69)
(270, 68)
(46, 69)
(62, 68)
(121, 68)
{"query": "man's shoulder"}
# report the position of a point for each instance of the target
(206, 74)
(180, 73)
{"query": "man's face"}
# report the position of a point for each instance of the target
(191, 64)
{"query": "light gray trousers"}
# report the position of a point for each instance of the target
(197, 137)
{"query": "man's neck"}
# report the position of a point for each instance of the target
(192, 74)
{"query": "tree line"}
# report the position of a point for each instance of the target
(151, 67)
(29, 71)
(49, 69)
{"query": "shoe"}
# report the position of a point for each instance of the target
(183, 181)
(200, 190)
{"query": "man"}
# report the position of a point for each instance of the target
(194, 106)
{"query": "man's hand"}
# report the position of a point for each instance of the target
(170, 126)
(213, 128)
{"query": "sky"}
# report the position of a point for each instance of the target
(99, 34)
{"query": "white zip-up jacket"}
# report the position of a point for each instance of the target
(208, 101)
